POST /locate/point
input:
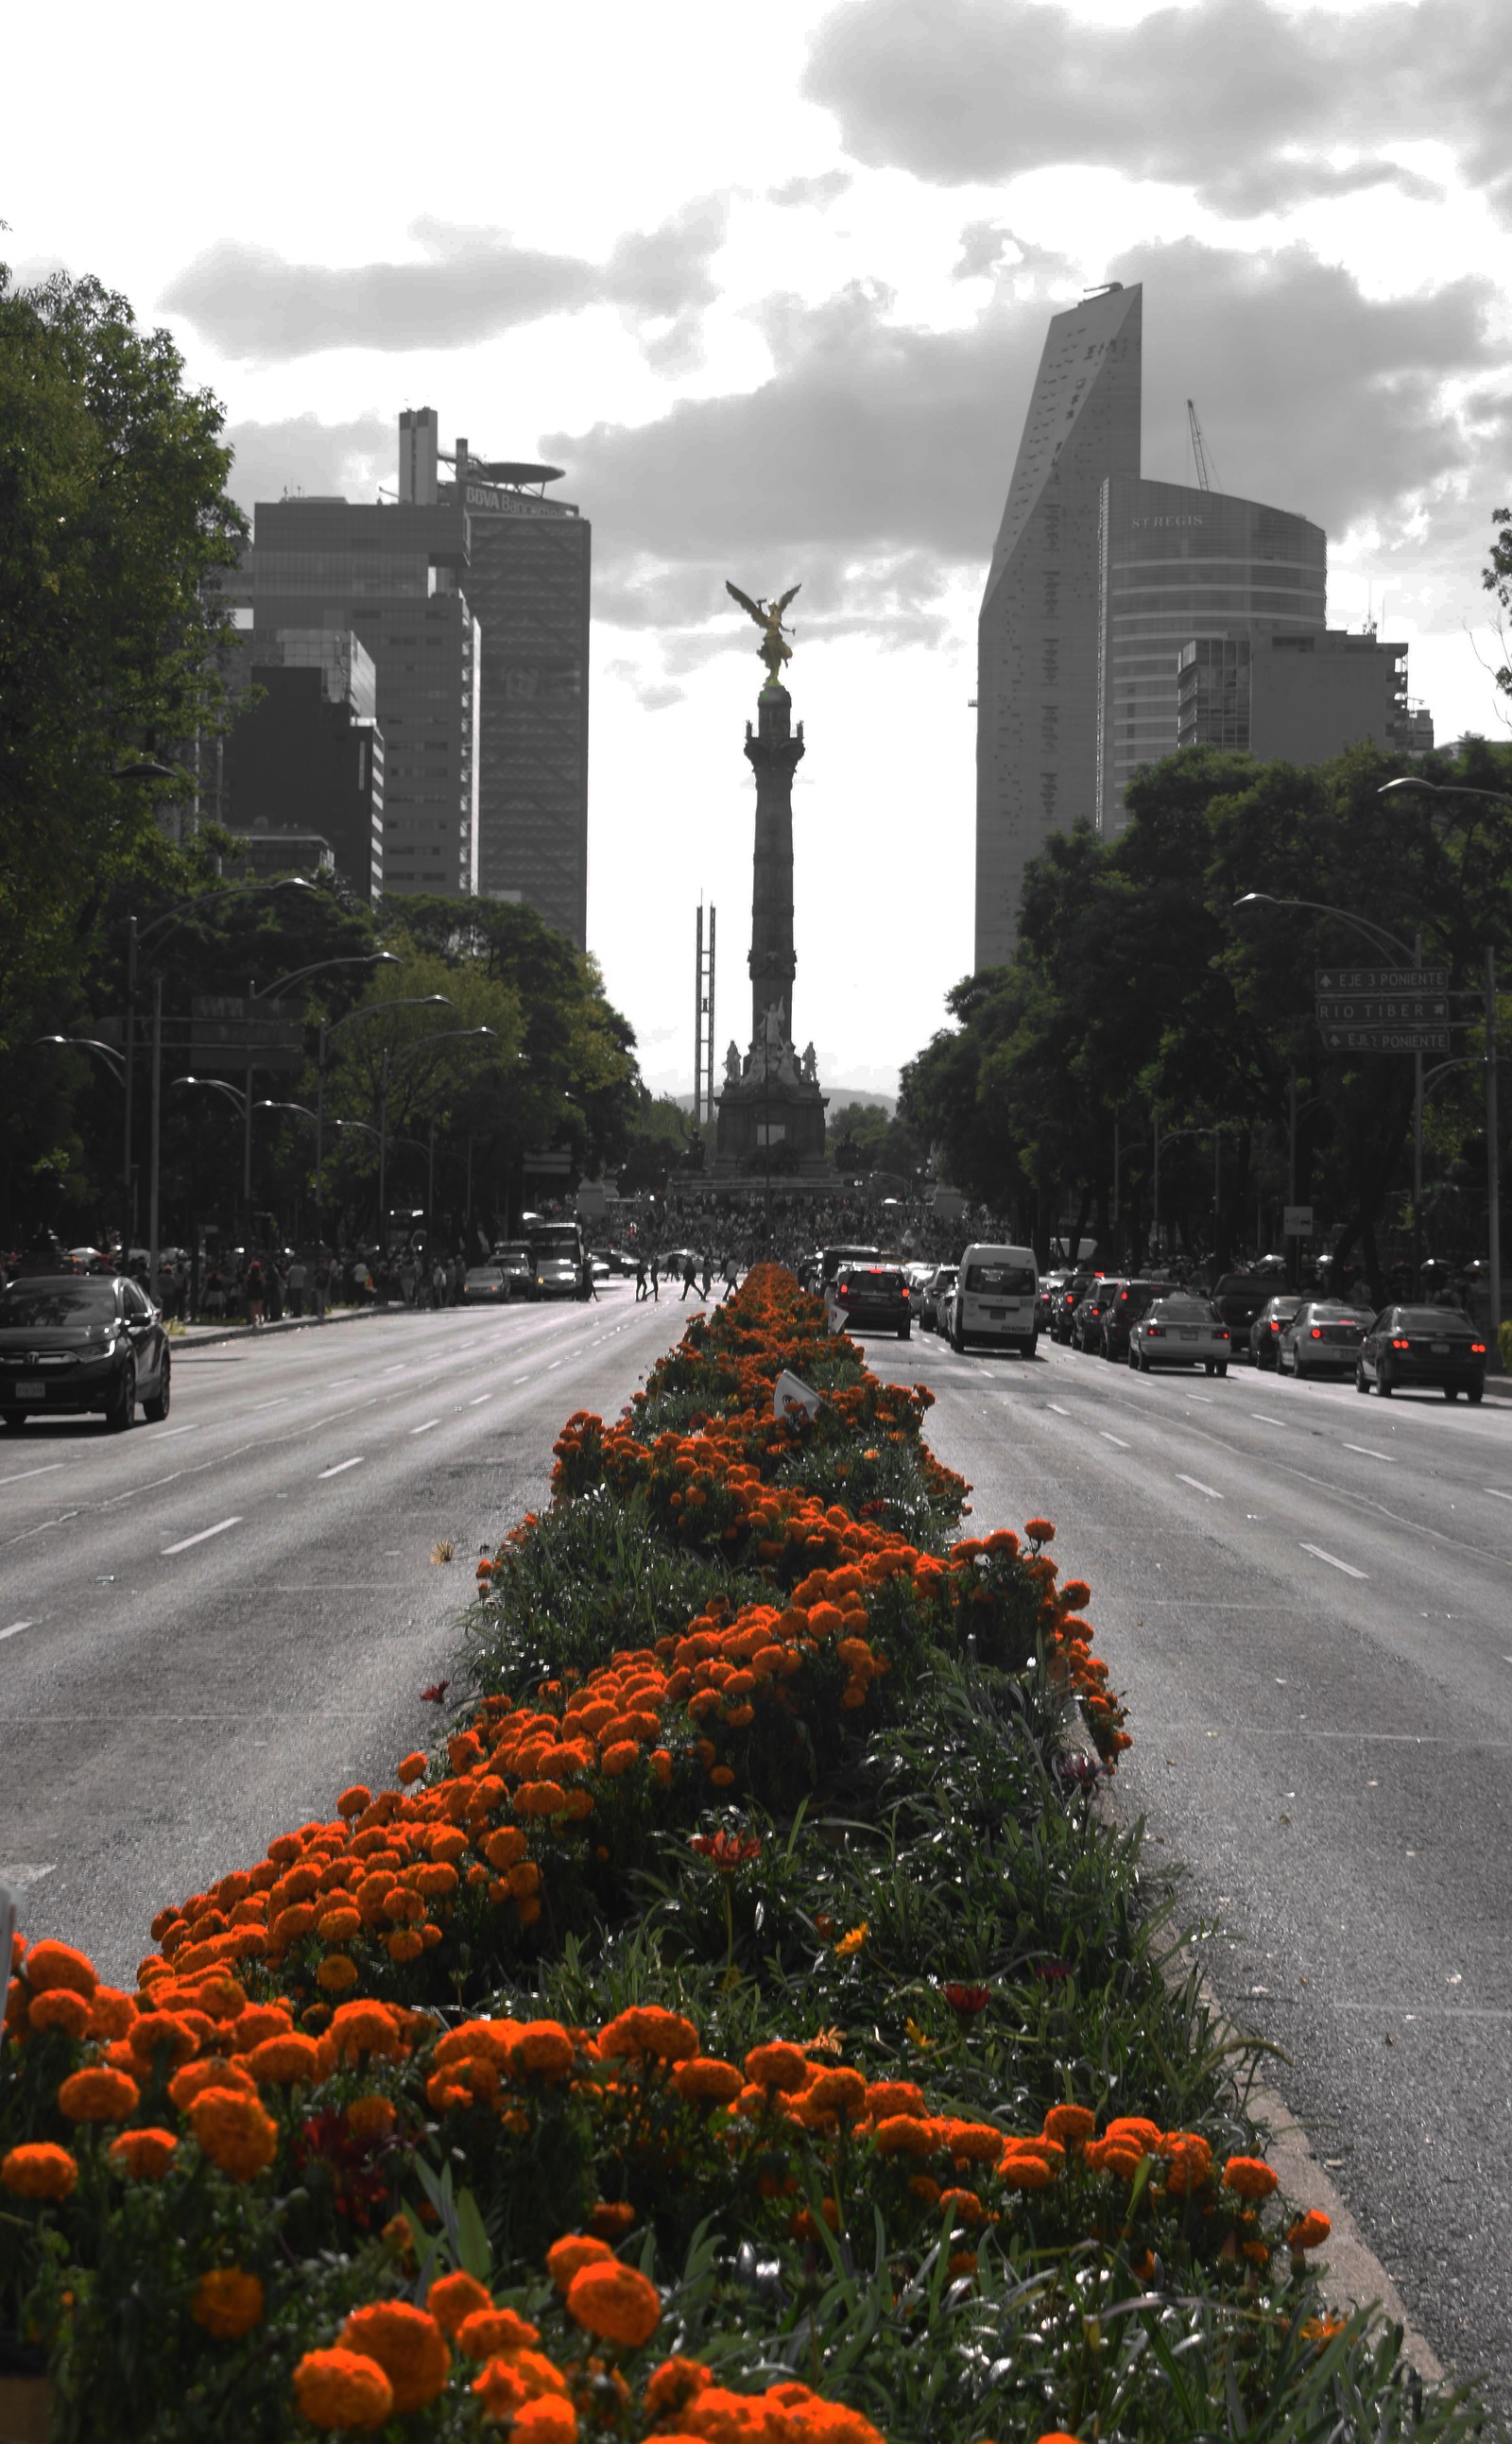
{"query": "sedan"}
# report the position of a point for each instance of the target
(868, 1296)
(1068, 1298)
(1427, 1347)
(1180, 1332)
(933, 1295)
(1122, 1313)
(1265, 1332)
(71, 1344)
(1086, 1323)
(484, 1286)
(1323, 1337)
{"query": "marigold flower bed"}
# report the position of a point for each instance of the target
(743, 2028)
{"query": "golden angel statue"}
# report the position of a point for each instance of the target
(773, 648)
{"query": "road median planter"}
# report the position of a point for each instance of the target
(740, 2025)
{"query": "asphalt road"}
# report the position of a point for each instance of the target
(1306, 1598)
(208, 1628)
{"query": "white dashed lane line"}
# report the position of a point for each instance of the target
(1366, 1452)
(1112, 1439)
(478, 1402)
(1197, 1485)
(342, 1465)
(15, 1628)
(426, 1428)
(219, 1529)
(1333, 1562)
(47, 1470)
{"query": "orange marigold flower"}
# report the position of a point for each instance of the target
(571, 2253)
(339, 1925)
(620, 1756)
(370, 2118)
(145, 2154)
(616, 2303)
(672, 2386)
(58, 2012)
(409, 2346)
(1248, 2177)
(211, 2072)
(837, 2091)
(111, 2013)
(39, 2170)
(705, 2080)
(413, 1767)
(99, 2094)
(353, 1802)
(234, 2132)
(539, 1799)
(1069, 2124)
(611, 2219)
(546, 2420)
(343, 2389)
(452, 2298)
(777, 2067)
(850, 1943)
(900, 2134)
(282, 2060)
(162, 2032)
(1019, 2169)
(367, 2028)
(228, 2303)
(50, 1965)
(1039, 1531)
(886, 2096)
(493, 2333)
(1190, 2161)
(541, 2049)
(646, 2028)
(1310, 2230)
(336, 1973)
(405, 1943)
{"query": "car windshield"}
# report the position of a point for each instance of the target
(1438, 1319)
(1000, 1281)
(1182, 1311)
(29, 1306)
(1328, 1312)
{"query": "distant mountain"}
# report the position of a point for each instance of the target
(838, 1098)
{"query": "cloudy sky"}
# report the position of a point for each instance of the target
(771, 286)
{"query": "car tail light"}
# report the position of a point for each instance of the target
(1274, 1326)
(1221, 1333)
(1155, 1332)
(905, 1290)
(1476, 1349)
(1316, 1332)
(1401, 1344)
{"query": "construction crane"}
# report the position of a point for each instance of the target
(1197, 451)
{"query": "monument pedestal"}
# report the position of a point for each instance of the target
(772, 1119)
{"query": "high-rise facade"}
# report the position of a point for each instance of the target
(1176, 563)
(1298, 700)
(529, 583)
(1038, 630)
(395, 575)
(306, 757)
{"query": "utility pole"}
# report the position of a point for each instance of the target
(704, 1017)
(1493, 1167)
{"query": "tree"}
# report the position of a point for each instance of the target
(113, 514)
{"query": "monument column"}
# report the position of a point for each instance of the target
(775, 754)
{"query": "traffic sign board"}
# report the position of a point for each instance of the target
(1296, 1222)
(1383, 1010)
(1381, 980)
(1386, 1039)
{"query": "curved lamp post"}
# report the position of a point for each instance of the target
(391, 1061)
(365, 1010)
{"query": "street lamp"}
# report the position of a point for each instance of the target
(269, 992)
(1382, 940)
(333, 1026)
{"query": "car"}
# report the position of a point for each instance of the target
(623, 1262)
(1180, 1330)
(996, 1297)
(1408, 1348)
(1086, 1323)
(1134, 1299)
(484, 1286)
(831, 1259)
(556, 1274)
(1239, 1298)
(933, 1295)
(513, 1258)
(1323, 1337)
(72, 1343)
(1068, 1298)
(871, 1296)
(1051, 1285)
(1265, 1332)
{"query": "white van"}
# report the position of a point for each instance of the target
(997, 1298)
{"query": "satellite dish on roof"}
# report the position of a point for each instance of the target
(512, 470)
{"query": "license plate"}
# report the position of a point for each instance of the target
(1188, 1332)
(996, 1314)
(31, 1388)
(1438, 1348)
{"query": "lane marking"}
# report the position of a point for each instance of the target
(166, 1434)
(342, 1465)
(1206, 1398)
(281, 1402)
(46, 1470)
(1261, 1420)
(426, 1428)
(219, 1529)
(1497, 1492)
(1056, 1406)
(1211, 1491)
(478, 1402)
(1112, 1439)
(1333, 1562)
(1366, 1452)
(16, 1627)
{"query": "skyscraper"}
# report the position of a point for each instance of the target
(528, 583)
(1179, 564)
(395, 574)
(1038, 632)
(308, 756)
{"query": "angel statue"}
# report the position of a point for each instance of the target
(773, 650)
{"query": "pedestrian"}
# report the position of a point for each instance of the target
(690, 1274)
(295, 1281)
(731, 1275)
(590, 1288)
(438, 1280)
(321, 1289)
(709, 1275)
(656, 1276)
(254, 1289)
(408, 1278)
(641, 1291)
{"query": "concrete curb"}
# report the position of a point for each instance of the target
(1349, 2276)
(198, 1336)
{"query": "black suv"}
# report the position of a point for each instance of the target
(1067, 1299)
(1135, 1299)
(1086, 1323)
(870, 1296)
(68, 1345)
(1238, 1298)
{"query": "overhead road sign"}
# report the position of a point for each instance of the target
(1296, 1222)
(1384, 1010)
(1386, 1039)
(1380, 980)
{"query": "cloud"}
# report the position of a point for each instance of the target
(471, 285)
(652, 696)
(301, 455)
(873, 461)
(814, 193)
(1228, 97)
